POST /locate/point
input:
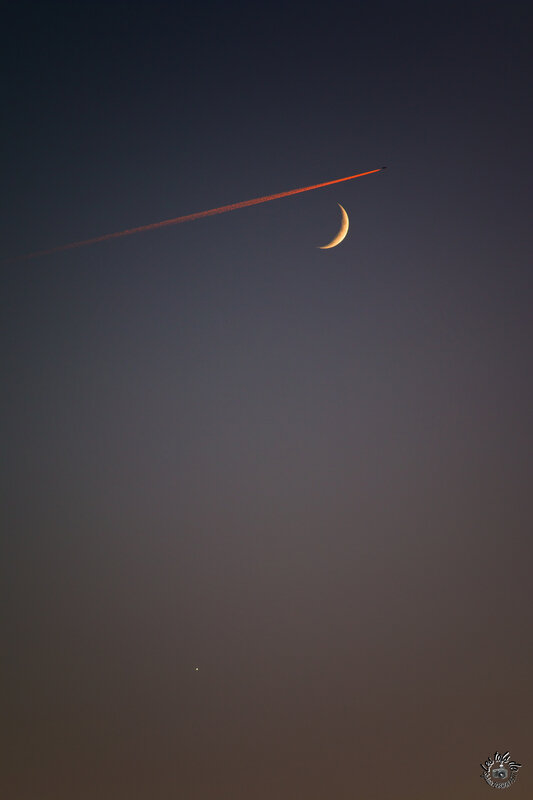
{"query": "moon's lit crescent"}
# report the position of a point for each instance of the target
(342, 232)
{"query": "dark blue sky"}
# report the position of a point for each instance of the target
(305, 472)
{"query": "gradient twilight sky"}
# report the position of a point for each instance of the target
(305, 472)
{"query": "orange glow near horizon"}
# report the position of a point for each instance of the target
(190, 217)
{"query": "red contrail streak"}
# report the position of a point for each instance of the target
(189, 217)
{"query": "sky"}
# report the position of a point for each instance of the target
(267, 508)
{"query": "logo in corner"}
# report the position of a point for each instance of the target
(499, 771)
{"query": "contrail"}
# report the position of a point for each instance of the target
(189, 217)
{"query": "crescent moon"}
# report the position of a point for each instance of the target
(345, 222)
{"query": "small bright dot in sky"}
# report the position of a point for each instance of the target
(196, 669)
